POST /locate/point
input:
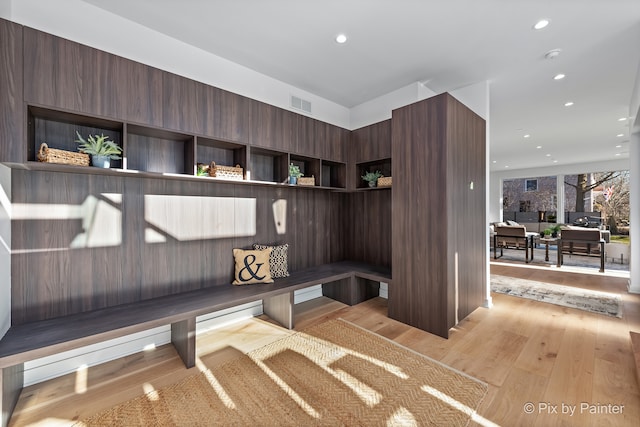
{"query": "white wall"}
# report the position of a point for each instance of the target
(5, 9)
(379, 109)
(634, 205)
(5, 253)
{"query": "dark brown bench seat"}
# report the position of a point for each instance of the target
(346, 281)
(581, 241)
(515, 237)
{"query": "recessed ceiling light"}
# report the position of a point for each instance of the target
(568, 104)
(539, 147)
(506, 166)
(620, 135)
(552, 54)
(548, 155)
(541, 24)
(555, 161)
(559, 76)
(617, 154)
(341, 38)
(622, 119)
(495, 161)
(618, 146)
(527, 136)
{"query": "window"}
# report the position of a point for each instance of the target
(525, 206)
(530, 185)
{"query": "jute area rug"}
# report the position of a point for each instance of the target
(606, 303)
(332, 374)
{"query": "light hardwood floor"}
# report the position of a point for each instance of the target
(526, 351)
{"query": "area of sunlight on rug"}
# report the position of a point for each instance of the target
(606, 303)
(335, 373)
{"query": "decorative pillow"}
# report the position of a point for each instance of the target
(512, 223)
(252, 267)
(278, 260)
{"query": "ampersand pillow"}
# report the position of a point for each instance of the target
(278, 261)
(252, 267)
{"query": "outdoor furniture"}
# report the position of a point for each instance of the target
(548, 241)
(512, 237)
(581, 241)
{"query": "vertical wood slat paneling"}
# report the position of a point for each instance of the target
(369, 233)
(468, 222)
(430, 147)
(12, 148)
(53, 71)
(371, 142)
(54, 276)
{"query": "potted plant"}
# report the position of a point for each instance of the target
(555, 229)
(371, 177)
(547, 232)
(101, 149)
(294, 174)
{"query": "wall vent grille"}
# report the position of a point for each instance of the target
(301, 104)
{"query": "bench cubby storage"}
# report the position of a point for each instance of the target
(348, 282)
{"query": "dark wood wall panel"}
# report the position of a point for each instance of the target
(223, 115)
(55, 273)
(467, 206)
(436, 219)
(53, 70)
(144, 93)
(371, 142)
(180, 111)
(369, 227)
(272, 127)
(12, 148)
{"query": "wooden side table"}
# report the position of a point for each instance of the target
(547, 241)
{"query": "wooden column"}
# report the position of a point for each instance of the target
(183, 337)
(438, 249)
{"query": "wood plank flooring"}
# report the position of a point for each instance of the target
(527, 351)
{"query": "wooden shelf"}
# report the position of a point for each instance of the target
(58, 130)
(382, 165)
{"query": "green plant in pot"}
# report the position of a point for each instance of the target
(371, 178)
(555, 229)
(101, 149)
(547, 232)
(294, 174)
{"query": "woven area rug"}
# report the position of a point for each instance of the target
(606, 303)
(332, 374)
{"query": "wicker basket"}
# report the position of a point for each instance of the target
(307, 180)
(384, 181)
(53, 155)
(226, 172)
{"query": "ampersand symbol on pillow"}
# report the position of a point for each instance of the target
(247, 266)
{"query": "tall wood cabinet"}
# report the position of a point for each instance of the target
(438, 199)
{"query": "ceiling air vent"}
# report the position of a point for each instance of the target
(301, 104)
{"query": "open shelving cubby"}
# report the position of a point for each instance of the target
(267, 165)
(223, 153)
(158, 150)
(309, 166)
(333, 174)
(58, 130)
(382, 165)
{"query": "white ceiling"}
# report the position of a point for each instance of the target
(446, 44)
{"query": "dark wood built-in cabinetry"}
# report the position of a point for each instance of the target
(166, 125)
(439, 252)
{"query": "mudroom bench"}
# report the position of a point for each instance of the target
(345, 281)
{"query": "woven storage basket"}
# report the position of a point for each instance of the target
(384, 181)
(307, 180)
(226, 172)
(53, 155)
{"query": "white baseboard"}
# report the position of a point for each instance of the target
(384, 290)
